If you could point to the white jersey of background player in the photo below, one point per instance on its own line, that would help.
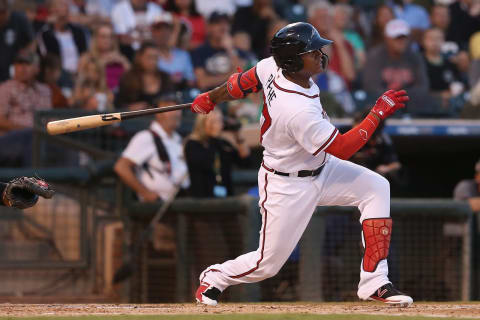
(304, 166)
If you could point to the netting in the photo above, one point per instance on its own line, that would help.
(63, 247)
(430, 258)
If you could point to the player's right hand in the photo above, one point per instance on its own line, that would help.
(202, 104)
(389, 102)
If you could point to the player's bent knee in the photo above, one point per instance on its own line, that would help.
(385, 185)
(379, 185)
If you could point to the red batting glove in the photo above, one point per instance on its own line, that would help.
(389, 102)
(202, 104)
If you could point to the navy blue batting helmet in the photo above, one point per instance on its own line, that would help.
(293, 40)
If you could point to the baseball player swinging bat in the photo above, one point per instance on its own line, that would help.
(99, 120)
(305, 165)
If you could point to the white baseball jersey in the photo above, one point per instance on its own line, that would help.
(295, 130)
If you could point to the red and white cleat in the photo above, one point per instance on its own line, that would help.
(391, 296)
(207, 294)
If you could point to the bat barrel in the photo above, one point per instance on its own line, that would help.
(82, 123)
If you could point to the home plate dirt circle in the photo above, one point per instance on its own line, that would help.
(447, 309)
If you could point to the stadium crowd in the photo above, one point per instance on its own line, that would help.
(107, 54)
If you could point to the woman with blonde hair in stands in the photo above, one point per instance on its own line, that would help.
(91, 91)
(104, 49)
(211, 151)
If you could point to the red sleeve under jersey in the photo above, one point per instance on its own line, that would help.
(345, 145)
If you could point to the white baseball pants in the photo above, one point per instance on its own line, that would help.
(287, 204)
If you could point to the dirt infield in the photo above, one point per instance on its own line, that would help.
(470, 310)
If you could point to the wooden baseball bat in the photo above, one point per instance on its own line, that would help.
(99, 120)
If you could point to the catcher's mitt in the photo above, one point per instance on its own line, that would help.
(23, 192)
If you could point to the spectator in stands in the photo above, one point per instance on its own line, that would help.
(64, 39)
(291, 10)
(210, 153)
(474, 48)
(471, 109)
(16, 33)
(443, 75)
(131, 21)
(469, 190)
(342, 60)
(153, 162)
(104, 49)
(186, 11)
(91, 91)
(440, 17)
(334, 92)
(20, 97)
(217, 58)
(50, 70)
(207, 7)
(415, 15)
(88, 12)
(342, 18)
(141, 86)
(254, 20)
(465, 21)
(383, 15)
(393, 65)
(174, 61)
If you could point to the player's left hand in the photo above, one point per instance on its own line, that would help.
(389, 102)
(202, 104)
(23, 192)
